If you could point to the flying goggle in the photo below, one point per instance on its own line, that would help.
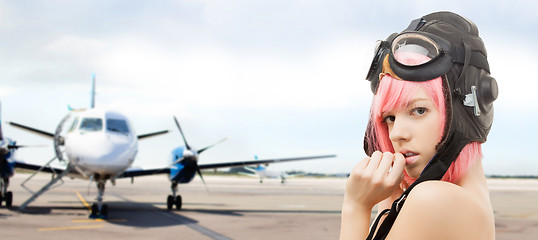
(418, 56)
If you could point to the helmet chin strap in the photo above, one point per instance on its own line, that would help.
(435, 170)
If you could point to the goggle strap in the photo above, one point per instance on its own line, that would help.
(415, 24)
(467, 55)
(478, 59)
(386, 69)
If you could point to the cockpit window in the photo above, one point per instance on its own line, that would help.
(91, 124)
(117, 125)
(74, 125)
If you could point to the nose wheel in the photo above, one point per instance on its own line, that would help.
(99, 212)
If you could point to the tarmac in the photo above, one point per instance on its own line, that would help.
(230, 208)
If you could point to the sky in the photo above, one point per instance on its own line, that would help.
(279, 78)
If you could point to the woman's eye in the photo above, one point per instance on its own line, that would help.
(419, 111)
(389, 119)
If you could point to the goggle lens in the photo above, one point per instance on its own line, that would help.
(413, 49)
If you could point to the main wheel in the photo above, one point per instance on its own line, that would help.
(104, 211)
(94, 211)
(178, 202)
(8, 199)
(170, 202)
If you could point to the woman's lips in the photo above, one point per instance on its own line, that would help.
(410, 158)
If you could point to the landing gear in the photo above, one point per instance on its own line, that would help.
(178, 202)
(8, 198)
(174, 199)
(170, 202)
(99, 210)
(5, 196)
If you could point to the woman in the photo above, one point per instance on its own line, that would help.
(432, 109)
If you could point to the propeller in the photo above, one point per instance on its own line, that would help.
(195, 162)
(59, 140)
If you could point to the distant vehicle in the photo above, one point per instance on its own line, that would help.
(262, 173)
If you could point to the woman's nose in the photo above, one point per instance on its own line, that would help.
(398, 131)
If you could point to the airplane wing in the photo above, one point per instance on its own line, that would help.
(40, 168)
(258, 162)
(136, 172)
(152, 134)
(33, 130)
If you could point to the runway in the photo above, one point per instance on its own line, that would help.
(234, 208)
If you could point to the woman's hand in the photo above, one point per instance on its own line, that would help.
(374, 179)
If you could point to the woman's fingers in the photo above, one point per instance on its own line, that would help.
(374, 162)
(396, 174)
(375, 178)
(386, 163)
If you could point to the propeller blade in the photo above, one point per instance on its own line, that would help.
(175, 162)
(24, 146)
(201, 177)
(182, 135)
(210, 146)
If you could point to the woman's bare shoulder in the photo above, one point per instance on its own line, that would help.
(442, 210)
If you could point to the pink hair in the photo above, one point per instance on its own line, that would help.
(395, 94)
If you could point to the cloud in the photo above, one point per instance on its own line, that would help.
(7, 91)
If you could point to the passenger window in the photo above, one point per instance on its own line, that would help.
(117, 125)
(91, 124)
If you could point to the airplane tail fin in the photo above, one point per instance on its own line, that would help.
(92, 101)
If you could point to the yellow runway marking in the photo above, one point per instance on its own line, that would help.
(86, 204)
(69, 228)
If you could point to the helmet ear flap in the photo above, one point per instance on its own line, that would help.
(487, 89)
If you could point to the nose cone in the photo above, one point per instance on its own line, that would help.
(100, 152)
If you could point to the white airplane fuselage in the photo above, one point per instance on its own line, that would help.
(101, 142)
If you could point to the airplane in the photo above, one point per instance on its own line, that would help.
(184, 166)
(262, 172)
(100, 145)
